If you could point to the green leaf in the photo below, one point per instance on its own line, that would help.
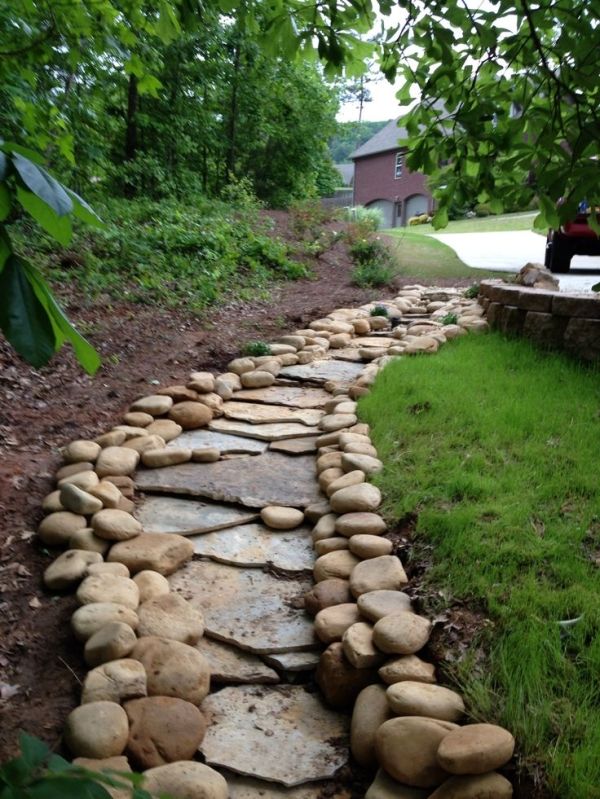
(23, 318)
(68, 787)
(63, 329)
(440, 218)
(5, 248)
(43, 185)
(5, 201)
(59, 227)
(83, 211)
(149, 85)
(168, 27)
(33, 751)
(3, 165)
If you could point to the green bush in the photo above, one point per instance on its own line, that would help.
(371, 274)
(256, 348)
(483, 209)
(449, 319)
(371, 219)
(379, 310)
(368, 250)
(472, 292)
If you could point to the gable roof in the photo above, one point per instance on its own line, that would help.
(383, 140)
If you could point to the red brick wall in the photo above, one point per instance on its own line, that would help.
(374, 180)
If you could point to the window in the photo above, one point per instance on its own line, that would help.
(398, 167)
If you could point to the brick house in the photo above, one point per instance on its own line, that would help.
(382, 179)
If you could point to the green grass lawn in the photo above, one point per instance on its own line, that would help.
(501, 466)
(521, 221)
(424, 257)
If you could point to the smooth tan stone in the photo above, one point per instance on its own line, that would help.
(108, 588)
(126, 505)
(384, 787)
(241, 365)
(326, 594)
(327, 439)
(115, 525)
(278, 517)
(347, 437)
(337, 421)
(170, 616)
(185, 780)
(73, 468)
(324, 528)
(51, 502)
(124, 483)
(384, 572)
(317, 510)
(335, 564)
(349, 479)
(173, 668)
(108, 494)
(407, 667)
(117, 461)
(88, 619)
(154, 404)
(113, 438)
(190, 415)
(371, 710)
(331, 460)
(153, 458)
(97, 730)
(360, 523)
(401, 633)
(257, 379)
(476, 749)
(484, 786)
(206, 455)
(407, 749)
(81, 450)
(142, 443)
(138, 419)
(167, 429)
(130, 431)
(57, 528)
(83, 480)
(358, 646)
(358, 498)
(369, 546)
(325, 545)
(408, 698)
(163, 729)
(366, 463)
(340, 682)
(328, 476)
(115, 681)
(212, 401)
(332, 622)
(108, 568)
(361, 449)
(113, 641)
(151, 584)
(202, 382)
(161, 552)
(78, 501)
(374, 605)
(69, 568)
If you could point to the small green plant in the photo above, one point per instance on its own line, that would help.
(372, 274)
(39, 774)
(449, 319)
(369, 218)
(379, 310)
(254, 349)
(472, 292)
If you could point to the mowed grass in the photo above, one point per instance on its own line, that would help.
(496, 446)
(421, 256)
(502, 222)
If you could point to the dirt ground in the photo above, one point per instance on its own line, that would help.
(40, 663)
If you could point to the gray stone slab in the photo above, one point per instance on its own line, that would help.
(322, 371)
(255, 545)
(255, 481)
(263, 432)
(347, 354)
(282, 734)
(249, 608)
(200, 439)
(295, 446)
(374, 341)
(291, 396)
(249, 788)
(294, 661)
(230, 665)
(259, 413)
(188, 516)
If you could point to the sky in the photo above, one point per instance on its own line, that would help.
(383, 106)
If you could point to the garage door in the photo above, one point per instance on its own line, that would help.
(415, 205)
(387, 209)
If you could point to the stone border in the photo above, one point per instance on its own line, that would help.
(399, 728)
(550, 319)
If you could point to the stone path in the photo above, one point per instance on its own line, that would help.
(197, 595)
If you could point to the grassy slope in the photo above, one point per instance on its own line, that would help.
(503, 222)
(503, 470)
(424, 257)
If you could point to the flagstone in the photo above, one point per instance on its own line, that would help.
(322, 371)
(295, 446)
(254, 481)
(291, 396)
(264, 432)
(374, 341)
(294, 661)
(256, 545)
(249, 608)
(228, 664)
(201, 439)
(188, 516)
(241, 787)
(259, 413)
(282, 734)
(346, 354)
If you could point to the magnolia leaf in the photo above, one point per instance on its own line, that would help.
(43, 185)
(59, 227)
(3, 165)
(83, 211)
(5, 201)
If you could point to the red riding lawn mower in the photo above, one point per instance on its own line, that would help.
(572, 238)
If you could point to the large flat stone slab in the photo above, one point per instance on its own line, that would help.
(374, 341)
(263, 432)
(291, 396)
(256, 481)
(295, 446)
(294, 661)
(200, 439)
(346, 354)
(321, 371)
(230, 665)
(188, 516)
(255, 545)
(249, 788)
(259, 413)
(249, 608)
(282, 734)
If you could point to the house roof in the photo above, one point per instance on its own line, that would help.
(383, 140)
(346, 172)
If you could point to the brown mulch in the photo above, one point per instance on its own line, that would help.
(40, 411)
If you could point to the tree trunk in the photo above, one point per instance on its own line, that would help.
(131, 132)
(233, 112)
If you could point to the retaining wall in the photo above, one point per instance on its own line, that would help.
(551, 319)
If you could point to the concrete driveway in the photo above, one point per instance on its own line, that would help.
(508, 251)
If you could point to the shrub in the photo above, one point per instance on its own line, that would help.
(472, 292)
(379, 310)
(483, 209)
(256, 348)
(449, 319)
(372, 274)
(370, 218)
(307, 218)
(367, 250)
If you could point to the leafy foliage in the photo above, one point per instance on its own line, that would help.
(256, 348)
(379, 310)
(349, 136)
